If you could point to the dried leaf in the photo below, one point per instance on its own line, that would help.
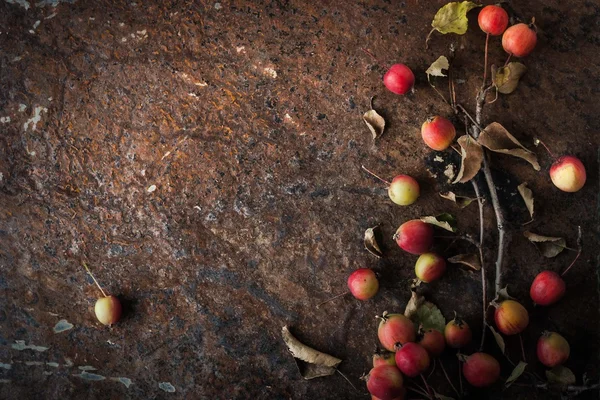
(452, 18)
(375, 122)
(441, 396)
(460, 201)
(371, 242)
(413, 304)
(516, 373)
(315, 363)
(507, 78)
(499, 339)
(445, 221)
(496, 138)
(470, 260)
(561, 375)
(472, 157)
(435, 69)
(527, 196)
(547, 245)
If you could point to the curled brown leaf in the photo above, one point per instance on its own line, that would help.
(507, 78)
(496, 138)
(472, 157)
(549, 246)
(374, 121)
(527, 196)
(371, 241)
(460, 201)
(470, 260)
(316, 363)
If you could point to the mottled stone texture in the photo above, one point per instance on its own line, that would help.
(245, 119)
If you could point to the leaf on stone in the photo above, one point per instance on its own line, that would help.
(496, 138)
(439, 396)
(547, 245)
(445, 221)
(499, 339)
(527, 196)
(472, 157)
(310, 362)
(374, 121)
(470, 260)
(413, 304)
(452, 18)
(371, 241)
(460, 201)
(561, 375)
(435, 69)
(516, 373)
(507, 78)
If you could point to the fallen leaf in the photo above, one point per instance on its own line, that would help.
(413, 304)
(470, 260)
(460, 201)
(472, 157)
(507, 78)
(374, 121)
(516, 373)
(435, 69)
(547, 245)
(496, 138)
(452, 18)
(429, 317)
(499, 339)
(315, 363)
(527, 196)
(371, 242)
(441, 396)
(503, 294)
(562, 375)
(445, 221)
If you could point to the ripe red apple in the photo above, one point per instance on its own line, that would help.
(493, 20)
(433, 341)
(384, 358)
(393, 329)
(438, 133)
(414, 236)
(108, 310)
(399, 79)
(552, 349)
(430, 267)
(385, 382)
(511, 317)
(481, 369)
(547, 288)
(363, 283)
(412, 359)
(457, 333)
(404, 190)
(519, 40)
(568, 174)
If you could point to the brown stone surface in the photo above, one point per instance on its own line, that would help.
(246, 118)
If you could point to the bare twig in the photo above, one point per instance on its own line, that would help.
(487, 39)
(579, 248)
(375, 175)
(94, 278)
(448, 378)
(522, 348)
(347, 380)
(483, 277)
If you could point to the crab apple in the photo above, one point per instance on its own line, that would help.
(383, 358)
(511, 317)
(430, 267)
(363, 283)
(481, 370)
(393, 329)
(385, 382)
(547, 288)
(568, 174)
(108, 310)
(404, 190)
(552, 349)
(414, 236)
(433, 341)
(519, 40)
(399, 79)
(438, 133)
(457, 333)
(493, 20)
(412, 359)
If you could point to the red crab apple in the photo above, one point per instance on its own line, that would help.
(412, 359)
(399, 79)
(457, 333)
(363, 283)
(493, 20)
(108, 310)
(568, 174)
(385, 382)
(519, 40)
(552, 349)
(414, 236)
(438, 133)
(394, 329)
(511, 317)
(383, 358)
(481, 370)
(430, 267)
(547, 288)
(433, 341)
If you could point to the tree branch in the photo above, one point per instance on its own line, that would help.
(483, 278)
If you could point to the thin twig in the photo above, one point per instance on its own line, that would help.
(448, 378)
(483, 277)
(579, 248)
(333, 298)
(426, 386)
(376, 176)
(94, 278)
(347, 380)
(487, 39)
(460, 375)
(418, 391)
(522, 348)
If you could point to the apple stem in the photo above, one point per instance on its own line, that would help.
(536, 140)
(485, 62)
(419, 391)
(376, 176)
(448, 378)
(375, 58)
(579, 248)
(460, 378)
(508, 59)
(427, 386)
(522, 348)
(347, 380)
(333, 298)
(94, 278)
